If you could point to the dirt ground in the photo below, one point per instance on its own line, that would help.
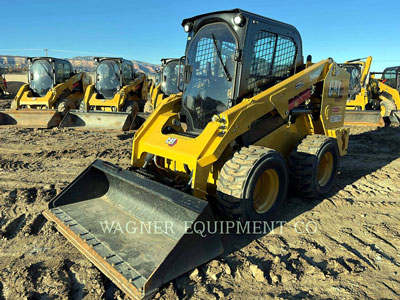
(351, 249)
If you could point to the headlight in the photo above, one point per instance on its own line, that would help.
(239, 20)
(187, 27)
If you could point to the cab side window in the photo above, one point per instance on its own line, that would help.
(273, 60)
(60, 72)
(67, 71)
(389, 76)
(354, 84)
(127, 73)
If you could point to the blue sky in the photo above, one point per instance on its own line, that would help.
(149, 30)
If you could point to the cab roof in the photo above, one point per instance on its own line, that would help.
(32, 59)
(117, 59)
(239, 11)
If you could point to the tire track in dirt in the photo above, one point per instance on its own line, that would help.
(13, 227)
(37, 224)
(353, 251)
(13, 166)
(333, 263)
(390, 288)
(378, 237)
(374, 249)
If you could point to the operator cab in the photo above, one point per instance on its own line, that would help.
(46, 72)
(112, 74)
(157, 77)
(231, 55)
(391, 77)
(171, 76)
(355, 79)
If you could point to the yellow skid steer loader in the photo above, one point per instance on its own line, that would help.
(387, 89)
(252, 120)
(371, 101)
(115, 99)
(53, 89)
(362, 108)
(166, 82)
(3, 84)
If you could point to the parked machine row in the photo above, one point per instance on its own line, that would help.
(56, 95)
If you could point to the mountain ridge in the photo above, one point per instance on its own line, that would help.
(80, 63)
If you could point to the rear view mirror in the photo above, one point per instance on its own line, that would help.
(187, 73)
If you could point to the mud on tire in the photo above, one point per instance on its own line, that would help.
(131, 107)
(253, 184)
(82, 105)
(64, 105)
(148, 107)
(13, 105)
(313, 166)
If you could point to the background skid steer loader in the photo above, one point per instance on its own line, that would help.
(53, 89)
(3, 84)
(251, 116)
(388, 90)
(370, 100)
(166, 82)
(115, 99)
(362, 108)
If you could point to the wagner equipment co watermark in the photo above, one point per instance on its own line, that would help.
(204, 228)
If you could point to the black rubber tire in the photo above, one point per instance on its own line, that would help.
(64, 105)
(148, 107)
(131, 107)
(13, 105)
(238, 178)
(82, 105)
(304, 162)
(389, 107)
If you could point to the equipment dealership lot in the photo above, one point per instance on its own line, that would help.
(339, 260)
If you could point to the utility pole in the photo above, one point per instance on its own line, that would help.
(45, 50)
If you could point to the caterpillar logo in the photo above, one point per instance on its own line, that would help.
(335, 89)
(171, 141)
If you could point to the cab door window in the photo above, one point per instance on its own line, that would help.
(354, 84)
(389, 77)
(67, 71)
(272, 61)
(127, 73)
(60, 72)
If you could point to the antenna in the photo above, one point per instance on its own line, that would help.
(45, 50)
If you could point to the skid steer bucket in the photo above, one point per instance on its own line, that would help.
(98, 120)
(393, 120)
(136, 231)
(363, 118)
(30, 118)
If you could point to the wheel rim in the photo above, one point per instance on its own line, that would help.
(266, 191)
(325, 168)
